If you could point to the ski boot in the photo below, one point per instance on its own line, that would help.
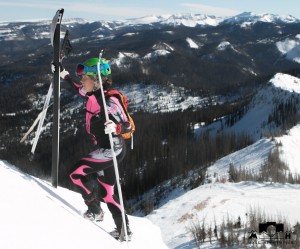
(94, 217)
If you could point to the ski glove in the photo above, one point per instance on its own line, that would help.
(64, 74)
(111, 127)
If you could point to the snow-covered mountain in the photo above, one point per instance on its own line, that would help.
(248, 18)
(256, 121)
(188, 20)
(33, 215)
(290, 48)
(15, 30)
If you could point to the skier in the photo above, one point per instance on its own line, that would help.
(95, 172)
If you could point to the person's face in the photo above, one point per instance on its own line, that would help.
(87, 83)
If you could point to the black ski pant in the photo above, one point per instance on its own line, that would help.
(95, 179)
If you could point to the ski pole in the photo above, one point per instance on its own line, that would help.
(112, 150)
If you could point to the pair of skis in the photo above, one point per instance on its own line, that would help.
(58, 55)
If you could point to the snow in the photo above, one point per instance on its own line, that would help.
(286, 82)
(223, 45)
(255, 121)
(250, 157)
(36, 215)
(154, 98)
(249, 18)
(289, 149)
(191, 43)
(156, 53)
(290, 48)
(119, 61)
(215, 202)
(131, 34)
(192, 20)
(162, 46)
(146, 20)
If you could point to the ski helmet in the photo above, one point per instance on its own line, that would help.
(89, 67)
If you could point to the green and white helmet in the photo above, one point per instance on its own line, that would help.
(90, 68)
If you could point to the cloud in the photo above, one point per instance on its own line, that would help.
(209, 10)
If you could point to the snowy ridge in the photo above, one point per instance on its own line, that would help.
(286, 82)
(216, 202)
(188, 20)
(35, 215)
(290, 48)
(250, 18)
(8, 30)
(192, 20)
(255, 121)
(224, 45)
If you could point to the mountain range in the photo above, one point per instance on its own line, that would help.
(207, 53)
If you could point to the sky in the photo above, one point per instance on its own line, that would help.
(125, 9)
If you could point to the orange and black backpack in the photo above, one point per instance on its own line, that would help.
(124, 102)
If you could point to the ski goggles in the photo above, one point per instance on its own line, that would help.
(86, 70)
(92, 70)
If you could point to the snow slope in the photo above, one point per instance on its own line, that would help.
(215, 201)
(289, 149)
(255, 121)
(290, 48)
(35, 215)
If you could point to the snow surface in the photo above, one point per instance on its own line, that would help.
(223, 45)
(249, 18)
(154, 98)
(35, 215)
(290, 48)
(214, 202)
(290, 148)
(255, 121)
(191, 43)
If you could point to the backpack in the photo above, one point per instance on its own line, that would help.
(124, 102)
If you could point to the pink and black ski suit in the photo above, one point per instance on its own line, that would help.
(94, 173)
